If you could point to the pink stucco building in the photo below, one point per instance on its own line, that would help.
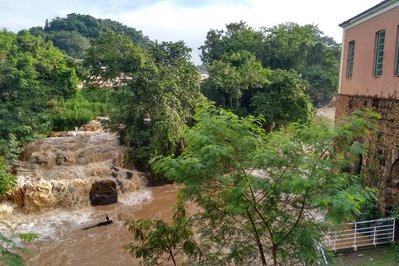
(369, 78)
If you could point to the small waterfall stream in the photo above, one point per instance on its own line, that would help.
(58, 172)
(55, 176)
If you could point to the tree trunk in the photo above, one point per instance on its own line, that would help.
(172, 257)
(274, 253)
(257, 238)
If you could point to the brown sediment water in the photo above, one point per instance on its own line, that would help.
(55, 176)
(102, 245)
(58, 172)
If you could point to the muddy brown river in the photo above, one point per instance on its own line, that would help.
(70, 245)
(55, 176)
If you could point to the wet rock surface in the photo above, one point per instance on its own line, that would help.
(58, 172)
(103, 192)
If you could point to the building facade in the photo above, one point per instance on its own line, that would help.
(369, 78)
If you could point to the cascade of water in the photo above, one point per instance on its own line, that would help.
(58, 172)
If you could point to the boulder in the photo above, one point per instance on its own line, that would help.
(103, 192)
(91, 126)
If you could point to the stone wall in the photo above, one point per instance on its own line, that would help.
(382, 162)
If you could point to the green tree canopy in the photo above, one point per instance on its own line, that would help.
(237, 37)
(288, 46)
(284, 100)
(73, 33)
(259, 195)
(233, 81)
(70, 42)
(32, 71)
(306, 50)
(91, 27)
(160, 91)
(240, 83)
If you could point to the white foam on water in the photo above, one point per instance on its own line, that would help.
(135, 198)
(6, 210)
(49, 225)
(105, 136)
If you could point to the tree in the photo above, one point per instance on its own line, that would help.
(260, 195)
(287, 46)
(113, 56)
(156, 241)
(70, 42)
(240, 83)
(306, 50)
(32, 71)
(238, 37)
(284, 100)
(160, 91)
(234, 81)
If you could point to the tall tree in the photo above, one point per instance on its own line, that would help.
(259, 195)
(32, 71)
(240, 83)
(237, 37)
(287, 46)
(306, 50)
(160, 92)
(233, 81)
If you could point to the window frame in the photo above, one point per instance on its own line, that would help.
(379, 53)
(350, 59)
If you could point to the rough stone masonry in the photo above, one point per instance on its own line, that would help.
(382, 162)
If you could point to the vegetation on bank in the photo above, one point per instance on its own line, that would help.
(304, 50)
(32, 72)
(260, 194)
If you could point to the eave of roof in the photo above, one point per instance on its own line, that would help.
(367, 13)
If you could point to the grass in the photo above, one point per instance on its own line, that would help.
(382, 256)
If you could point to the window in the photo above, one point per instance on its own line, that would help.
(351, 57)
(379, 53)
(397, 53)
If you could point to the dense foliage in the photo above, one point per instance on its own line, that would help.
(73, 33)
(32, 72)
(84, 107)
(159, 89)
(240, 83)
(158, 242)
(7, 181)
(288, 46)
(261, 192)
(263, 197)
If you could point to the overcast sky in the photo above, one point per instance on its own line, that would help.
(173, 20)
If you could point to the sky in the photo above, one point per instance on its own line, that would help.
(174, 20)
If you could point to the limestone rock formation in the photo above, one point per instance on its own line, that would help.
(58, 172)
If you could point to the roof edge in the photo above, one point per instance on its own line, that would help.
(367, 13)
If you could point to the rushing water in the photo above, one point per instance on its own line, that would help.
(65, 243)
(52, 199)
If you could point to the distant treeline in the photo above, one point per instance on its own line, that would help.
(73, 33)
